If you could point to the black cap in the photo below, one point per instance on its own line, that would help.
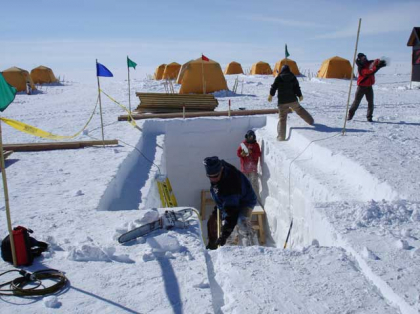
(249, 134)
(213, 165)
(285, 69)
(360, 54)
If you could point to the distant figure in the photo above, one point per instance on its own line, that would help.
(287, 87)
(28, 88)
(249, 153)
(234, 197)
(366, 79)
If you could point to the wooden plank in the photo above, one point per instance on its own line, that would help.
(199, 114)
(7, 153)
(26, 147)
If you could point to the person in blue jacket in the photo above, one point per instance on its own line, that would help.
(234, 197)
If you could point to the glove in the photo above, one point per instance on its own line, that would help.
(301, 98)
(221, 241)
(243, 154)
(270, 98)
(381, 64)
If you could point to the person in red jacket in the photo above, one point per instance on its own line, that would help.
(249, 153)
(366, 79)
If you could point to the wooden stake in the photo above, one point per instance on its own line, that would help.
(183, 111)
(351, 78)
(202, 73)
(129, 90)
(6, 199)
(229, 109)
(100, 106)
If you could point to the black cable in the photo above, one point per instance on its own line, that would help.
(17, 285)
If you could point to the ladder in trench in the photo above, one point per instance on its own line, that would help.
(167, 196)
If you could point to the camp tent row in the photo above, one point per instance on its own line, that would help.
(18, 77)
(199, 76)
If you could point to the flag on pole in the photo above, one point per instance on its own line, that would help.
(131, 63)
(286, 53)
(204, 58)
(7, 93)
(101, 70)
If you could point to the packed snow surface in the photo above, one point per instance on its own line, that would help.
(355, 242)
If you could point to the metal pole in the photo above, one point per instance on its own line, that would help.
(6, 200)
(100, 107)
(351, 78)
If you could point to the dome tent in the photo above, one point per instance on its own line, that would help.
(192, 77)
(159, 71)
(171, 71)
(18, 77)
(292, 65)
(43, 74)
(335, 67)
(262, 68)
(182, 71)
(234, 68)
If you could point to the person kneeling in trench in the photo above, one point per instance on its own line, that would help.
(235, 198)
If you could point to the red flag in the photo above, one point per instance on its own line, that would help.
(204, 58)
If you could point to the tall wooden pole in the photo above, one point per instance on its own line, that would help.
(100, 106)
(351, 79)
(6, 199)
(129, 90)
(202, 74)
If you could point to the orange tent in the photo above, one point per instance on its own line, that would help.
(196, 72)
(171, 71)
(42, 75)
(234, 68)
(18, 77)
(292, 65)
(261, 68)
(159, 71)
(335, 67)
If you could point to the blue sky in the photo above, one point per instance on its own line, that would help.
(72, 34)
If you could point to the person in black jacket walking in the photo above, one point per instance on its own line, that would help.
(287, 87)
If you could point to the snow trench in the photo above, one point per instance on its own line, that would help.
(177, 148)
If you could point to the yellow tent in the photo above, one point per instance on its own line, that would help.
(196, 71)
(182, 71)
(261, 68)
(292, 65)
(335, 67)
(159, 71)
(17, 78)
(234, 68)
(171, 71)
(42, 75)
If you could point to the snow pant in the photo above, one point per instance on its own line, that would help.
(253, 178)
(360, 92)
(243, 230)
(284, 110)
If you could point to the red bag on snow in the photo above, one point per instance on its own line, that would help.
(26, 247)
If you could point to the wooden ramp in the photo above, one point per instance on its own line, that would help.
(168, 103)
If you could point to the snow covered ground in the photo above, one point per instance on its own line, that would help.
(355, 242)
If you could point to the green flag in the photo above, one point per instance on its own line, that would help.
(7, 93)
(130, 63)
(286, 53)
